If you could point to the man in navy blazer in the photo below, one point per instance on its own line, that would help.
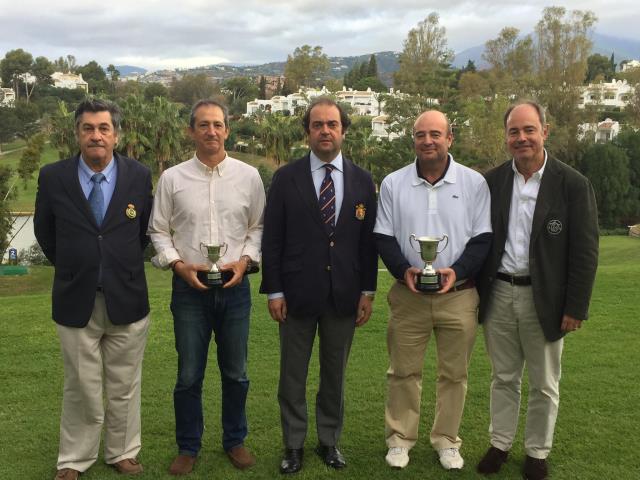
(319, 271)
(90, 219)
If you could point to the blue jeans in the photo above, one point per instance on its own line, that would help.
(225, 312)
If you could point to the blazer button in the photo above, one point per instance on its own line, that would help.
(99, 237)
(328, 268)
(331, 244)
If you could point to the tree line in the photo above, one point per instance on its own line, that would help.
(551, 66)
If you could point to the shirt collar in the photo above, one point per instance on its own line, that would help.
(87, 173)
(317, 164)
(449, 176)
(220, 167)
(536, 175)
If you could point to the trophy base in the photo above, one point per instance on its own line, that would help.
(211, 279)
(428, 283)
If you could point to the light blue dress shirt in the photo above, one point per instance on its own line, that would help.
(108, 184)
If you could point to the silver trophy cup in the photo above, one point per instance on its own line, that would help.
(212, 278)
(428, 280)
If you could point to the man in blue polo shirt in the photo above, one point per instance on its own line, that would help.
(432, 196)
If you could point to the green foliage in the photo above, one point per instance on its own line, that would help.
(154, 89)
(629, 140)
(363, 76)
(599, 68)
(7, 193)
(30, 158)
(424, 62)
(278, 133)
(166, 135)
(95, 76)
(306, 67)
(33, 256)
(266, 174)
(63, 137)
(607, 167)
(14, 64)
(238, 91)
(191, 88)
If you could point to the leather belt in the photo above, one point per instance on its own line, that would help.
(463, 286)
(520, 281)
(98, 289)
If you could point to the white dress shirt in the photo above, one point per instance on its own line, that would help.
(515, 260)
(197, 204)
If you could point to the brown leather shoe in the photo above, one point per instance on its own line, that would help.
(241, 458)
(128, 466)
(492, 461)
(535, 468)
(182, 465)
(67, 474)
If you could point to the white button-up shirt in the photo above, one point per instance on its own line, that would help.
(515, 259)
(197, 204)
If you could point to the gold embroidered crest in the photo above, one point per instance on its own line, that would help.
(360, 211)
(130, 212)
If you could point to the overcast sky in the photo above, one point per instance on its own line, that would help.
(188, 33)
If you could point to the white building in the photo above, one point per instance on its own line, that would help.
(363, 102)
(601, 132)
(380, 128)
(631, 64)
(7, 97)
(69, 80)
(616, 93)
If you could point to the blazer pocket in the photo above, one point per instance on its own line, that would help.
(289, 266)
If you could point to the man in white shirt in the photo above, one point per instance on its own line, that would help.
(212, 199)
(433, 196)
(535, 286)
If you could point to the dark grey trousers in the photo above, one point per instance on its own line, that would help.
(297, 336)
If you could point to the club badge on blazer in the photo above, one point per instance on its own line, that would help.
(130, 212)
(360, 211)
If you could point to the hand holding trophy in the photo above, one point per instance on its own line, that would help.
(428, 280)
(212, 278)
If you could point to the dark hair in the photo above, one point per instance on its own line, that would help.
(344, 118)
(98, 105)
(208, 103)
(539, 108)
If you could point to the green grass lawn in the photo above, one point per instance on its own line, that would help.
(596, 434)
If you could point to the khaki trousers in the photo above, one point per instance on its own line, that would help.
(452, 317)
(101, 353)
(513, 336)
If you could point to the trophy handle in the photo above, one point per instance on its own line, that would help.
(446, 238)
(203, 252)
(413, 238)
(223, 249)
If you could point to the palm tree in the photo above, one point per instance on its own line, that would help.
(278, 134)
(62, 135)
(167, 137)
(134, 134)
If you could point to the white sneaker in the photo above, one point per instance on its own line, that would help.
(397, 457)
(450, 459)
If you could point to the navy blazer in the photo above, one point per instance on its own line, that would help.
(298, 256)
(563, 248)
(73, 242)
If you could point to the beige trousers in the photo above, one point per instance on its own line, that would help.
(452, 317)
(513, 336)
(101, 353)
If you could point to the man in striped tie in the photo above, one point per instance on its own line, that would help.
(319, 271)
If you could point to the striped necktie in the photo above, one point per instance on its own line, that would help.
(327, 200)
(96, 198)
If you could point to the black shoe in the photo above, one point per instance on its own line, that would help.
(492, 461)
(331, 456)
(292, 460)
(535, 468)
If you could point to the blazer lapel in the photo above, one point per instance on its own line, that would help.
(349, 188)
(306, 189)
(71, 183)
(549, 184)
(118, 198)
